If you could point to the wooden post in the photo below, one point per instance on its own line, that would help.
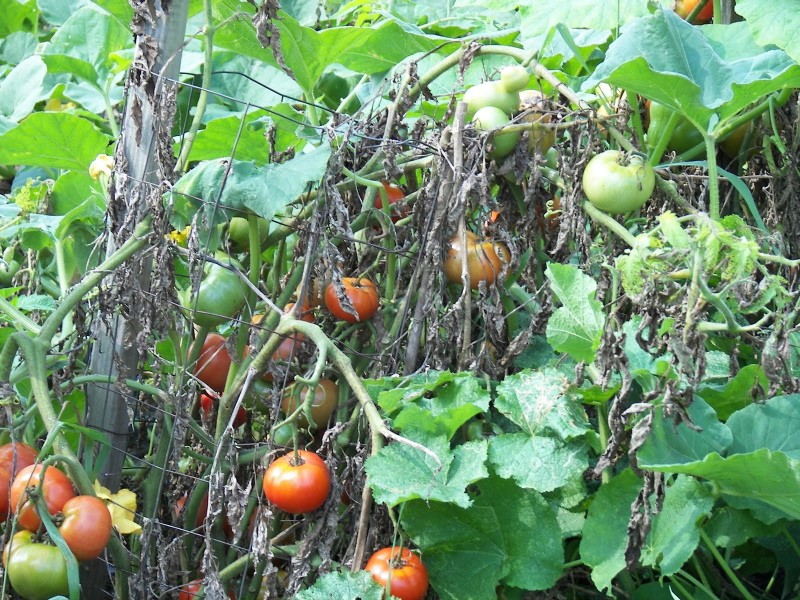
(143, 166)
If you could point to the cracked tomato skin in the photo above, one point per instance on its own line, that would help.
(297, 487)
(363, 295)
(485, 260)
(402, 570)
(14, 457)
(56, 488)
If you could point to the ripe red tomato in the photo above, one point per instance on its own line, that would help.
(14, 457)
(394, 194)
(213, 363)
(617, 182)
(685, 7)
(297, 487)
(86, 526)
(191, 591)
(485, 260)
(326, 399)
(208, 404)
(56, 488)
(37, 571)
(363, 295)
(400, 571)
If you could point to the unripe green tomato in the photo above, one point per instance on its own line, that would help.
(514, 78)
(239, 232)
(617, 182)
(489, 118)
(220, 296)
(490, 93)
(38, 572)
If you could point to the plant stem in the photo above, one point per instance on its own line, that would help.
(724, 565)
(608, 222)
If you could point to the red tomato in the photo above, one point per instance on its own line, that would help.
(213, 363)
(14, 457)
(685, 7)
(208, 404)
(191, 591)
(56, 488)
(400, 571)
(394, 194)
(297, 487)
(363, 295)
(326, 399)
(86, 526)
(485, 260)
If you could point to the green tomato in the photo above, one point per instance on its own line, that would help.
(489, 118)
(220, 296)
(38, 571)
(490, 93)
(684, 137)
(239, 232)
(617, 182)
(514, 78)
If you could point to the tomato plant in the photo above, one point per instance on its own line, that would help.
(192, 591)
(362, 294)
(214, 362)
(37, 571)
(14, 457)
(617, 182)
(297, 483)
(56, 490)
(684, 137)
(326, 399)
(394, 195)
(86, 526)
(221, 293)
(684, 8)
(485, 259)
(400, 571)
(208, 405)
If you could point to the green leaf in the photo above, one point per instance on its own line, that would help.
(399, 472)
(37, 302)
(773, 23)
(715, 70)
(575, 327)
(508, 536)
(538, 18)
(538, 462)
(737, 392)
(539, 403)
(605, 534)
(87, 42)
(265, 191)
(729, 527)
(774, 424)
(219, 138)
(675, 533)
(248, 80)
(445, 409)
(18, 15)
(52, 140)
(368, 50)
(343, 585)
(22, 88)
(669, 444)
